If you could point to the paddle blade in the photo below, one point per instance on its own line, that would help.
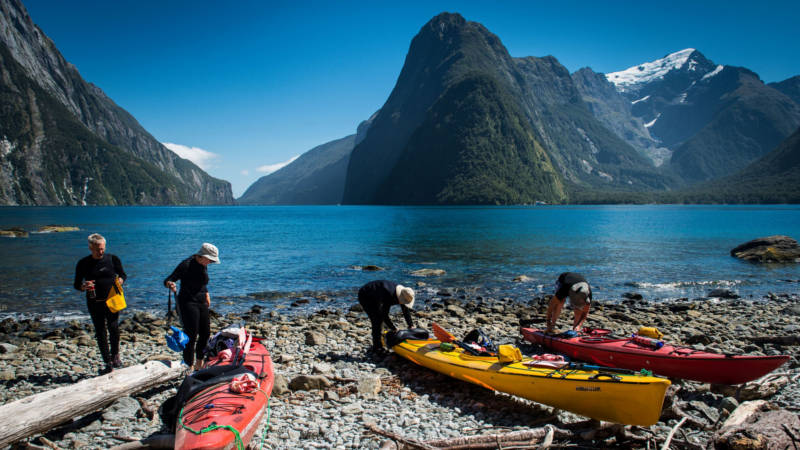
(442, 334)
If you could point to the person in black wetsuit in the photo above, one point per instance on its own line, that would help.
(95, 274)
(376, 297)
(194, 300)
(575, 287)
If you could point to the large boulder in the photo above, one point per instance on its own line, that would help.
(309, 383)
(769, 249)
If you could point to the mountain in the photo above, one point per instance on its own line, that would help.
(315, 178)
(615, 112)
(714, 119)
(47, 157)
(477, 148)
(72, 125)
(774, 178)
(748, 120)
(515, 117)
(789, 87)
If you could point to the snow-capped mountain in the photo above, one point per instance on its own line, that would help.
(713, 119)
(652, 86)
(689, 60)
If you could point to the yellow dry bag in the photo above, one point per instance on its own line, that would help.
(650, 332)
(508, 354)
(116, 298)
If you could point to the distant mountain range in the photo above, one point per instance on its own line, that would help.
(773, 178)
(713, 119)
(315, 178)
(64, 142)
(468, 123)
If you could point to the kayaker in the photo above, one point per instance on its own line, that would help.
(95, 274)
(194, 300)
(575, 287)
(377, 297)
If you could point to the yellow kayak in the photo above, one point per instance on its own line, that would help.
(632, 399)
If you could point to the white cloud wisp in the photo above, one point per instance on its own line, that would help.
(269, 168)
(203, 158)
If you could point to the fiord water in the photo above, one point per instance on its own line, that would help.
(273, 256)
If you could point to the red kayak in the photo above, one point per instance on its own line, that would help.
(638, 352)
(226, 415)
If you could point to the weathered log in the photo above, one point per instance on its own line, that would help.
(48, 443)
(744, 413)
(515, 437)
(41, 412)
(548, 437)
(753, 390)
(410, 443)
(693, 421)
(672, 433)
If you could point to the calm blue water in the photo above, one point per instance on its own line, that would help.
(660, 251)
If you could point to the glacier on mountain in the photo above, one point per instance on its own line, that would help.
(652, 122)
(713, 72)
(649, 71)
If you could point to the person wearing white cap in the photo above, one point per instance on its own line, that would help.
(194, 300)
(575, 287)
(377, 297)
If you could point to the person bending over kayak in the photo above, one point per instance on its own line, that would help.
(377, 297)
(573, 286)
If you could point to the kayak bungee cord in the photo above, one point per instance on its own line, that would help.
(198, 411)
(237, 438)
(201, 409)
(266, 427)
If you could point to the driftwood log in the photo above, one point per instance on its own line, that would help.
(525, 438)
(41, 412)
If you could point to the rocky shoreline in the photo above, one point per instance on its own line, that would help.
(327, 391)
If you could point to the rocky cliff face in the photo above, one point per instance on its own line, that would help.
(537, 95)
(40, 61)
(47, 157)
(615, 112)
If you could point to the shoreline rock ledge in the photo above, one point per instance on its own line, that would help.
(776, 248)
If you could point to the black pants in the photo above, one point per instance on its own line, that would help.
(103, 319)
(197, 326)
(376, 319)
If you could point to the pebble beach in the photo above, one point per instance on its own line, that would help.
(329, 394)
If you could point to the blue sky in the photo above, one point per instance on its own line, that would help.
(255, 83)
